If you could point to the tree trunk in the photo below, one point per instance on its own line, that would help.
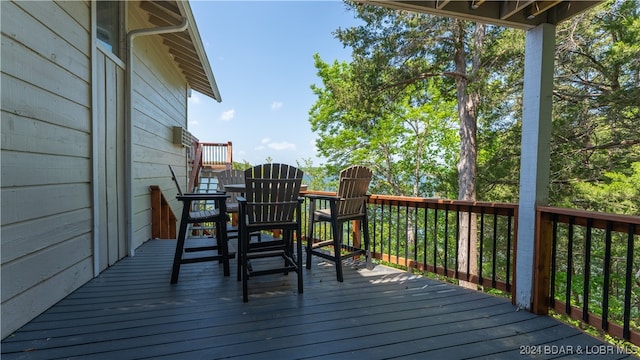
(467, 166)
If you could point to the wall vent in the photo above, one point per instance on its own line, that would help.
(182, 136)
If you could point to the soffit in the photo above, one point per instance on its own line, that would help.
(521, 14)
(185, 47)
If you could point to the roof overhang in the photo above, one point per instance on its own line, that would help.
(185, 47)
(521, 14)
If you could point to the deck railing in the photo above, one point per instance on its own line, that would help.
(589, 269)
(423, 234)
(217, 156)
(587, 264)
(590, 258)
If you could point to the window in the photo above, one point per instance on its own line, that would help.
(109, 24)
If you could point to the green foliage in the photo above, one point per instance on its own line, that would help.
(618, 193)
(244, 165)
(409, 145)
(395, 108)
(597, 102)
(315, 176)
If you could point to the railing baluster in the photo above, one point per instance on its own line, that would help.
(415, 235)
(495, 248)
(567, 304)
(435, 240)
(426, 222)
(554, 246)
(389, 232)
(587, 272)
(607, 274)
(469, 245)
(372, 224)
(457, 242)
(627, 286)
(481, 255)
(397, 231)
(382, 222)
(509, 249)
(446, 239)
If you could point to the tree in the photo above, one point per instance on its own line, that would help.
(399, 55)
(596, 100)
(619, 193)
(405, 141)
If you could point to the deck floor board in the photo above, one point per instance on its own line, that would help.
(131, 311)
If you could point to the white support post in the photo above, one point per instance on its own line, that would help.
(534, 161)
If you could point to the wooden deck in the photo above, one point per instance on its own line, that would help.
(132, 312)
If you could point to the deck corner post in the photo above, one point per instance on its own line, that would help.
(542, 273)
(535, 150)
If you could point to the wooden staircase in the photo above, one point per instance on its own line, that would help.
(205, 159)
(208, 157)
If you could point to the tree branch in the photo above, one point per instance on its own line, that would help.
(423, 76)
(623, 143)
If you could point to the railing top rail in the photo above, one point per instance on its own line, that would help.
(441, 204)
(215, 144)
(599, 219)
(475, 206)
(590, 214)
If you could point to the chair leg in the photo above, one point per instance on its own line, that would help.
(177, 258)
(299, 258)
(223, 245)
(287, 237)
(240, 255)
(310, 242)
(365, 232)
(243, 239)
(337, 248)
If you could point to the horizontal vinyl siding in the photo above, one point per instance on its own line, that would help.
(159, 103)
(46, 162)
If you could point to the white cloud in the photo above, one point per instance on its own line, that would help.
(194, 122)
(194, 99)
(265, 141)
(228, 115)
(282, 146)
(276, 105)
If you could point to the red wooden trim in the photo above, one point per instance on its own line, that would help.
(596, 321)
(163, 220)
(156, 211)
(542, 261)
(620, 222)
(438, 270)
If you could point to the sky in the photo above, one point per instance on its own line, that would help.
(261, 55)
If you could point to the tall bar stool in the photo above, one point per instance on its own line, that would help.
(350, 203)
(217, 215)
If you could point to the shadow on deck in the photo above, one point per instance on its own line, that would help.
(132, 312)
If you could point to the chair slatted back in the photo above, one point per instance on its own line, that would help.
(228, 177)
(352, 189)
(272, 192)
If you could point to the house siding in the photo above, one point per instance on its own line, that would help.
(159, 104)
(47, 167)
(46, 156)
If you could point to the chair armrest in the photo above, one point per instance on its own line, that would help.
(204, 196)
(321, 197)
